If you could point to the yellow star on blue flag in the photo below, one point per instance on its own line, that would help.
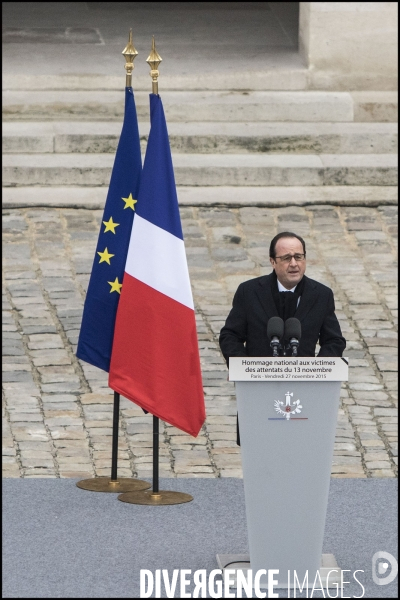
(115, 286)
(129, 202)
(105, 256)
(110, 225)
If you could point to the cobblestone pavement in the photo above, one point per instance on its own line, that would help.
(57, 411)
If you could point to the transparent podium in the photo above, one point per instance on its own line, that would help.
(287, 410)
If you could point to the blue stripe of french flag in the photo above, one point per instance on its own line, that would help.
(155, 358)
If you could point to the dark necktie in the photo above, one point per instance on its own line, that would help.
(288, 304)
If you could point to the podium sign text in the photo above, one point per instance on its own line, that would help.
(308, 368)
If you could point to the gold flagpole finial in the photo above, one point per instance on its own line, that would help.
(154, 60)
(130, 54)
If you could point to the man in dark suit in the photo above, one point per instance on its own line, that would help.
(285, 293)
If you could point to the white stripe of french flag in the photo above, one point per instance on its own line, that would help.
(155, 358)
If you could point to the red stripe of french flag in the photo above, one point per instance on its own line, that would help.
(155, 358)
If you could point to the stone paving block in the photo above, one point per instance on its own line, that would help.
(7, 451)
(44, 358)
(360, 410)
(373, 443)
(39, 471)
(29, 462)
(351, 470)
(389, 420)
(63, 453)
(68, 433)
(385, 412)
(188, 469)
(231, 473)
(64, 386)
(361, 421)
(389, 427)
(11, 471)
(103, 454)
(9, 460)
(29, 434)
(223, 444)
(344, 446)
(106, 446)
(382, 473)
(187, 439)
(346, 460)
(55, 408)
(370, 455)
(377, 464)
(65, 445)
(96, 399)
(27, 417)
(79, 475)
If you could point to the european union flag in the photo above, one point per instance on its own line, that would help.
(106, 280)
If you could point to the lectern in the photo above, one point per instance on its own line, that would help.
(287, 410)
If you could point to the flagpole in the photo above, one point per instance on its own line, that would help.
(156, 451)
(114, 450)
(113, 484)
(155, 497)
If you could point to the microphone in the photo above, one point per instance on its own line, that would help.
(275, 332)
(293, 334)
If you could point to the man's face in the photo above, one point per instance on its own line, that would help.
(290, 272)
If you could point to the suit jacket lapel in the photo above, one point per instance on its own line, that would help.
(307, 300)
(264, 294)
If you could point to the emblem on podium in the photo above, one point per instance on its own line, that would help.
(286, 408)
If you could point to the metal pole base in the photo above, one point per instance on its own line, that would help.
(106, 484)
(160, 498)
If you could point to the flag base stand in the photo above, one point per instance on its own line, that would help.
(160, 498)
(106, 484)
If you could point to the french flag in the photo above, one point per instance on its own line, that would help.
(155, 358)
